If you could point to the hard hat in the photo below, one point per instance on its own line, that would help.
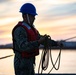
(28, 8)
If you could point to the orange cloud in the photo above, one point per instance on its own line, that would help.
(55, 23)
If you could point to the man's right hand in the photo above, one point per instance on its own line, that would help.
(42, 39)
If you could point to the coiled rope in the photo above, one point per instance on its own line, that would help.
(46, 54)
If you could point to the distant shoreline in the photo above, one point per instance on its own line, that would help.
(66, 45)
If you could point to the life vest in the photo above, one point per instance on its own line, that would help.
(32, 35)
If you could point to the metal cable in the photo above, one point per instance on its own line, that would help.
(6, 56)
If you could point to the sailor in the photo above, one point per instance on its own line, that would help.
(26, 41)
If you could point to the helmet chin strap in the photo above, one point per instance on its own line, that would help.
(28, 18)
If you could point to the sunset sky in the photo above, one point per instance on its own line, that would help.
(55, 17)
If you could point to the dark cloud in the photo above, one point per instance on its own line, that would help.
(1, 1)
(9, 8)
(62, 10)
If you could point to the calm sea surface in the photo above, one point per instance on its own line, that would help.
(67, 62)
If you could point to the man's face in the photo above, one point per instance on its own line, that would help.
(31, 19)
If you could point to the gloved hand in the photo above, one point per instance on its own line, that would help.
(43, 38)
(60, 44)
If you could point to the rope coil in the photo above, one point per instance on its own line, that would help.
(44, 62)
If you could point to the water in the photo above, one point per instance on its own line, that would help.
(67, 63)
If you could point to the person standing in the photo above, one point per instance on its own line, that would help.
(26, 41)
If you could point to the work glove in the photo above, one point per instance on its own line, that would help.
(43, 39)
(60, 44)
